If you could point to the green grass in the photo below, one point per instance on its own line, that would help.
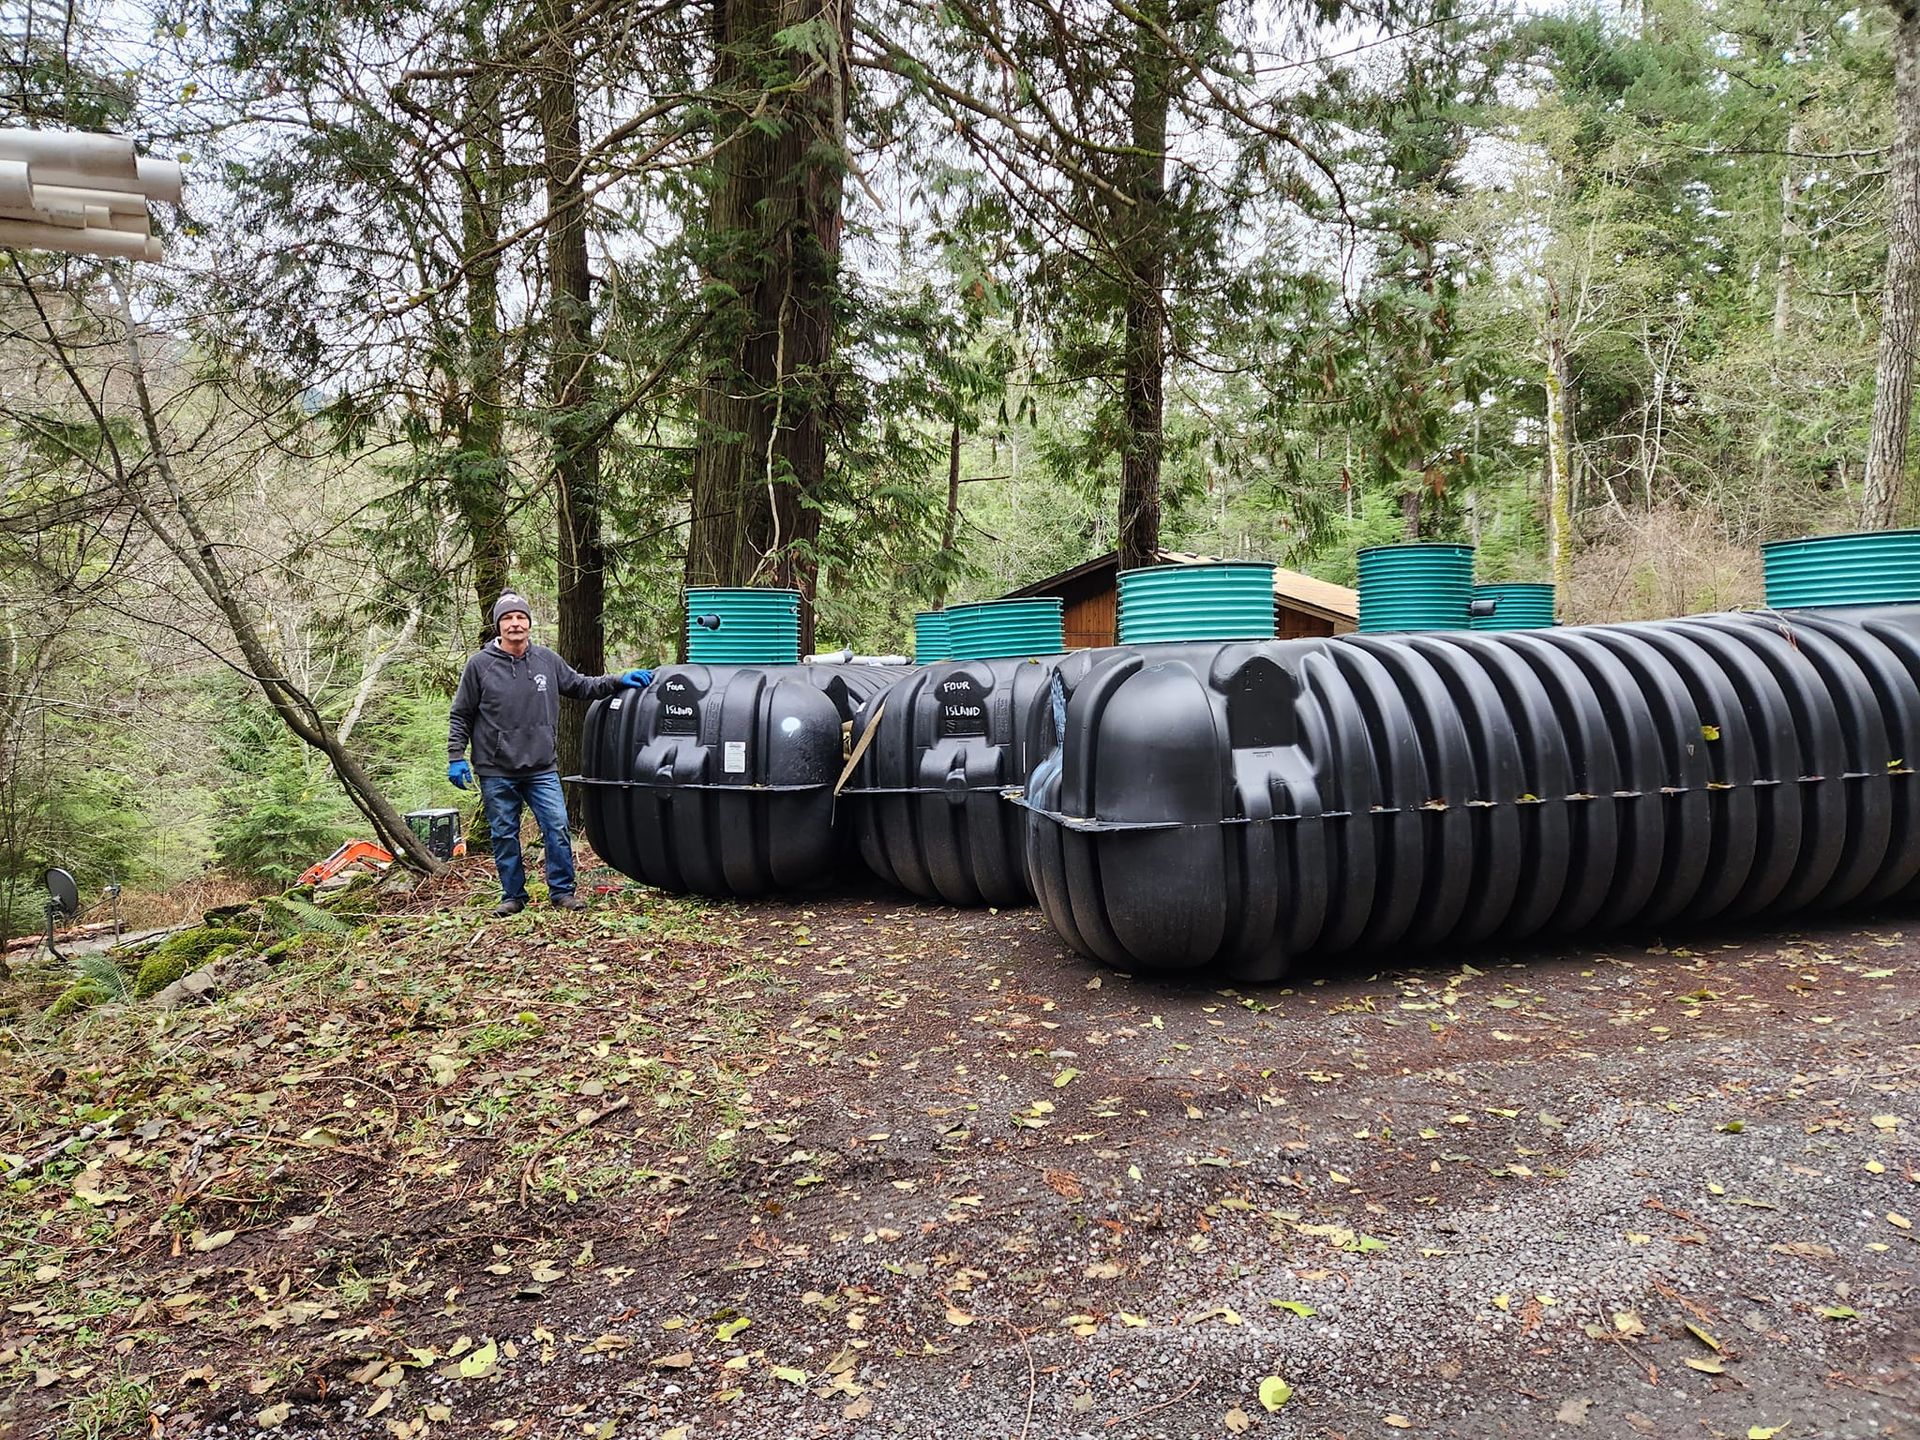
(491, 1038)
(116, 1406)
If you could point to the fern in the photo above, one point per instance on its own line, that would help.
(291, 916)
(102, 973)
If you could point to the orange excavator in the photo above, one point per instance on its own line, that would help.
(440, 829)
(354, 852)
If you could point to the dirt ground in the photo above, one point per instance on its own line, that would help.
(863, 1167)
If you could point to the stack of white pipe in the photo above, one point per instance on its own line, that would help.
(81, 194)
(847, 657)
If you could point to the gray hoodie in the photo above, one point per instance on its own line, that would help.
(509, 708)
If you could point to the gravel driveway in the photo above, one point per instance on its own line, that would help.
(958, 1183)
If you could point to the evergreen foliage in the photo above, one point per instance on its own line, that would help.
(275, 814)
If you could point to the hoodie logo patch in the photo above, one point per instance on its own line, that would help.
(540, 683)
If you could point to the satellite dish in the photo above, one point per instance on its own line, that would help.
(64, 891)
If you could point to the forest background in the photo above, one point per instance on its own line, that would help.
(899, 303)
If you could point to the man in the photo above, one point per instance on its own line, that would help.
(508, 708)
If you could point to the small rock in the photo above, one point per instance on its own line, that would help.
(210, 982)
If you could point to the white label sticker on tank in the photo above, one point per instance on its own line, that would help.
(735, 761)
(616, 702)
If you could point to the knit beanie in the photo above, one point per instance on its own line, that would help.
(507, 604)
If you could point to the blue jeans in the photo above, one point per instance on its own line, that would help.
(541, 794)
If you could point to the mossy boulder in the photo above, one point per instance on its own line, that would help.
(82, 995)
(280, 949)
(186, 951)
(157, 973)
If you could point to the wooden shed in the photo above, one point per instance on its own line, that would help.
(1302, 605)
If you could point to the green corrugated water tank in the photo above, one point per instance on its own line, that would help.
(932, 637)
(1517, 606)
(1004, 629)
(743, 627)
(1164, 604)
(1415, 587)
(1870, 567)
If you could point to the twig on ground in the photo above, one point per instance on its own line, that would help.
(207, 1140)
(1122, 1419)
(526, 1171)
(1033, 1377)
(1653, 1370)
(35, 1163)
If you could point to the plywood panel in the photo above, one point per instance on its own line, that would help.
(1297, 625)
(1090, 619)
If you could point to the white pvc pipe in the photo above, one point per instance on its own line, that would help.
(121, 202)
(159, 179)
(66, 159)
(16, 185)
(81, 194)
(94, 157)
(114, 244)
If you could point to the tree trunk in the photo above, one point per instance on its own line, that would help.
(774, 231)
(480, 473)
(1900, 292)
(1144, 266)
(950, 527)
(1783, 263)
(1783, 273)
(581, 633)
(376, 662)
(1559, 458)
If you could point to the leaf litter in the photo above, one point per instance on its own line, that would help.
(384, 1164)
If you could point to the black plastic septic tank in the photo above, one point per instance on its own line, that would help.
(718, 779)
(1234, 806)
(926, 803)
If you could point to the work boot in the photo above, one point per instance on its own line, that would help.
(508, 907)
(569, 901)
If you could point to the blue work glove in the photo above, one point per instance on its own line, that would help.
(460, 773)
(637, 679)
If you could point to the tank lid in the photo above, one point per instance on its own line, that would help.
(1415, 587)
(1218, 600)
(932, 636)
(1513, 605)
(1868, 567)
(1004, 629)
(742, 626)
